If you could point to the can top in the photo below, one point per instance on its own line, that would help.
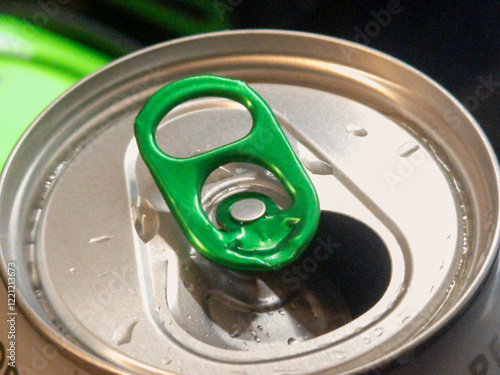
(407, 185)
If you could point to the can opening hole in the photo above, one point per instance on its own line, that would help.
(342, 274)
(202, 125)
(347, 256)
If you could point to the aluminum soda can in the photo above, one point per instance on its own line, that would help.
(401, 278)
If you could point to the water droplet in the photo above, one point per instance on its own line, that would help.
(311, 162)
(236, 331)
(270, 313)
(378, 331)
(259, 328)
(408, 149)
(257, 339)
(281, 312)
(100, 239)
(189, 316)
(377, 317)
(367, 340)
(72, 270)
(166, 361)
(146, 221)
(339, 355)
(123, 334)
(157, 308)
(356, 130)
(291, 341)
(317, 166)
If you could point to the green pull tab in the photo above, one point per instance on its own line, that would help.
(272, 238)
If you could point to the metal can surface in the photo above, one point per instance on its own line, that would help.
(400, 279)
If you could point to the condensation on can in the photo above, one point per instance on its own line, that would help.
(401, 277)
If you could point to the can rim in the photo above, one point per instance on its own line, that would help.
(74, 351)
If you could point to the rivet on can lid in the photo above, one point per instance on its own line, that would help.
(248, 209)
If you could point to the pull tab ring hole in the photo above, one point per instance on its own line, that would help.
(233, 178)
(201, 125)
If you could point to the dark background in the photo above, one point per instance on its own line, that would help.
(454, 42)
